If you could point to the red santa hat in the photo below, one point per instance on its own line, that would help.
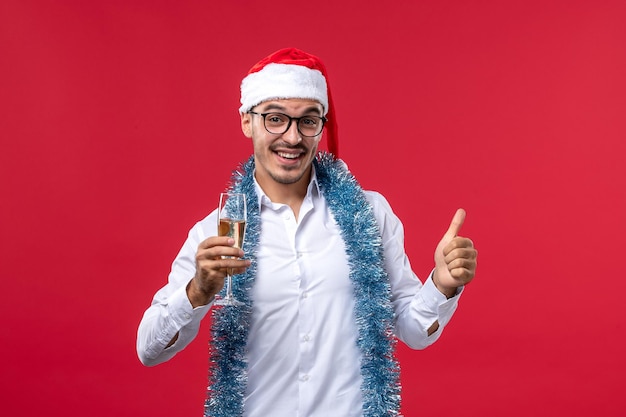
(291, 73)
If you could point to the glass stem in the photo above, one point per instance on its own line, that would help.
(229, 286)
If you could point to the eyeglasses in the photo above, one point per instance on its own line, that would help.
(279, 123)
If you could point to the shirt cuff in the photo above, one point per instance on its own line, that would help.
(437, 302)
(181, 311)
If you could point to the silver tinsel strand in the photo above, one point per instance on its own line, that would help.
(373, 310)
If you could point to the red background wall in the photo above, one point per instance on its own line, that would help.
(114, 117)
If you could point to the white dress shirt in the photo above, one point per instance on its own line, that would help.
(302, 354)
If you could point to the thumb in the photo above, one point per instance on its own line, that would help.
(455, 225)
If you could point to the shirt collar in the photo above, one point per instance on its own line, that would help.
(313, 189)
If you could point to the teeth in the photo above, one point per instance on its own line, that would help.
(288, 155)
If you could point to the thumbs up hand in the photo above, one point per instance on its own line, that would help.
(455, 258)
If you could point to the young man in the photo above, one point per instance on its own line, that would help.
(324, 278)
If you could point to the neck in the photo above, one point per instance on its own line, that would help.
(290, 194)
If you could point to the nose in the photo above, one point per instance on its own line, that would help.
(292, 135)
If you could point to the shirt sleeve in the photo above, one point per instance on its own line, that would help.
(170, 312)
(417, 305)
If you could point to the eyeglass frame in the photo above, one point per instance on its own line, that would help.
(291, 119)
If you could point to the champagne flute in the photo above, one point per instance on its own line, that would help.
(231, 222)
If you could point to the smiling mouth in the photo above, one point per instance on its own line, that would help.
(288, 155)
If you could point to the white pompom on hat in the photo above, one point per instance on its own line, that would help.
(291, 73)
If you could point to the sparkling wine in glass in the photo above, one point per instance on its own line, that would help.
(231, 222)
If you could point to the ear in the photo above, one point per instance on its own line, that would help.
(246, 124)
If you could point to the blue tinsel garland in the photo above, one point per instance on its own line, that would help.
(373, 310)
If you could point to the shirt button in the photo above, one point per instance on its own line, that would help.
(306, 338)
(304, 378)
(305, 294)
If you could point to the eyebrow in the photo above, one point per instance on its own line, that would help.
(274, 106)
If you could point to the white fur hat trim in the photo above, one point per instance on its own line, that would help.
(280, 81)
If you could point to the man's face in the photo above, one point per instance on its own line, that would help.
(282, 159)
